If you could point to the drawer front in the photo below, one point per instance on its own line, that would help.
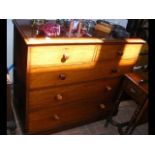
(135, 92)
(113, 52)
(100, 89)
(56, 76)
(60, 55)
(57, 117)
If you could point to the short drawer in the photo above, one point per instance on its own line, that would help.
(113, 52)
(104, 89)
(135, 92)
(64, 116)
(56, 76)
(60, 55)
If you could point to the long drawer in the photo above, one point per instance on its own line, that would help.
(66, 115)
(104, 89)
(113, 52)
(56, 76)
(60, 55)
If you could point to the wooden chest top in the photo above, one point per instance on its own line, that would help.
(25, 29)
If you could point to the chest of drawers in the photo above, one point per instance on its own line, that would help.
(64, 82)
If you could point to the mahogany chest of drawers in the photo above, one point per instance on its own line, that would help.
(64, 82)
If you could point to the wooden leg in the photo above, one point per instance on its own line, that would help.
(136, 117)
(114, 111)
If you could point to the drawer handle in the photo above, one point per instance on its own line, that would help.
(132, 91)
(56, 117)
(114, 70)
(62, 76)
(108, 88)
(59, 97)
(102, 106)
(120, 52)
(64, 57)
(143, 81)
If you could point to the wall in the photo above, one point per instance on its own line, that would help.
(122, 22)
(10, 36)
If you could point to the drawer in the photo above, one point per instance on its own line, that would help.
(60, 55)
(104, 89)
(113, 52)
(135, 92)
(66, 115)
(56, 76)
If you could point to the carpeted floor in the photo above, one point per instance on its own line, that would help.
(126, 110)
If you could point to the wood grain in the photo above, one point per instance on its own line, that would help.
(95, 89)
(49, 76)
(53, 55)
(44, 119)
(135, 78)
(20, 77)
(125, 51)
(60, 82)
(134, 91)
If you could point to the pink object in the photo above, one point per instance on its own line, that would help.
(51, 29)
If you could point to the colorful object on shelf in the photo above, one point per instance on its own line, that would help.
(51, 29)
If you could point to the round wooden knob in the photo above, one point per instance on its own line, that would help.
(62, 76)
(56, 117)
(120, 52)
(102, 106)
(108, 88)
(64, 57)
(114, 70)
(142, 81)
(59, 97)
